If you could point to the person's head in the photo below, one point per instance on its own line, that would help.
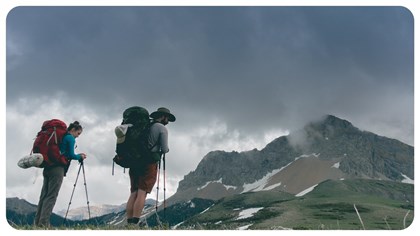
(163, 115)
(75, 129)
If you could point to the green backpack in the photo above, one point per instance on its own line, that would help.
(132, 138)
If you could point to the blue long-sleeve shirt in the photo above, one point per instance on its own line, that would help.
(67, 147)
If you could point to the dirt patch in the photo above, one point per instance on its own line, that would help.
(304, 173)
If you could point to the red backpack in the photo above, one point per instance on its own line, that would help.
(48, 141)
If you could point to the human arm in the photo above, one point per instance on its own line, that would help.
(158, 138)
(163, 140)
(69, 143)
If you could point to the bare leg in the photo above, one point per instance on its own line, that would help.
(130, 205)
(139, 203)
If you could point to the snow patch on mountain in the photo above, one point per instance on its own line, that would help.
(206, 209)
(192, 204)
(248, 213)
(272, 186)
(307, 155)
(407, 179)
(245, 227)
(117, 220)
(306, 191)
(218, 181)
(260, 185)
(177, 225)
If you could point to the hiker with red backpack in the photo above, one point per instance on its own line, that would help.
(56, 144)
(140, 145)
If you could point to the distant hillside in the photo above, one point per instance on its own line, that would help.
(82, 213)
(21, 212)
(180, 212)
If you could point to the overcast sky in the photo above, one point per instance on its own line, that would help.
(234, 77)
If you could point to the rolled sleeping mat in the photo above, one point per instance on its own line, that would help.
(34, 159)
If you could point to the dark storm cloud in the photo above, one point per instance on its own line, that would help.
(254, 68)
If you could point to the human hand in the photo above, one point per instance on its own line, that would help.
(82, 157)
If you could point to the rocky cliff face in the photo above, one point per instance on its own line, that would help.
(364, 154)
(330, 142)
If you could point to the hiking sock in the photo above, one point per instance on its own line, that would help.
(135, 220)
(131, 221)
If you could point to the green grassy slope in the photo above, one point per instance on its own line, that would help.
(331, 205)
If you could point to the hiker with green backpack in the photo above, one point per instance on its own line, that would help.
(140, 145)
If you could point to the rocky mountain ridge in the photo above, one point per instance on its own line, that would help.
(331, 148)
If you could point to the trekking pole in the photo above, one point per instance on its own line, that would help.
(84, 177)
(113, 168)
(157, 188)
(72, 193)
(164, 187)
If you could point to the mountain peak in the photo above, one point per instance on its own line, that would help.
(335, 121)
(330, 120)
(329, 126)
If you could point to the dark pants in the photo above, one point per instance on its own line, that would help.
(53, 178)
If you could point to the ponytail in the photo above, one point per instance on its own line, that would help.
(75, 125)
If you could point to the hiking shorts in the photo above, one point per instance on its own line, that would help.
(143, 178)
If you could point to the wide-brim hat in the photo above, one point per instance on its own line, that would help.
(163, 111)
